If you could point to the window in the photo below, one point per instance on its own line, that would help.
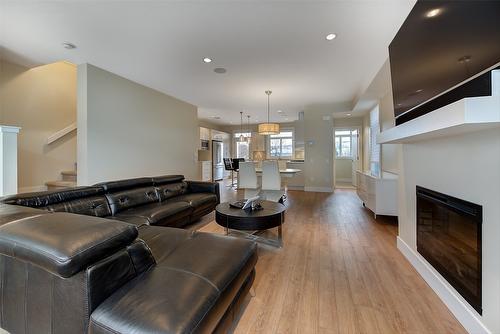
(242, 147)
(374, 147)
(281, 145)
(242, 150)
(343, 144)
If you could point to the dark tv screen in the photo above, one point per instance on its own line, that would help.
(440, 45)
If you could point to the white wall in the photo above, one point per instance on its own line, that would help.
(318, 136)
(42, 101)
(343, 170)
(467, 167)
(129, 130)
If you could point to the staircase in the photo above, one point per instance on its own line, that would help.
(68, 181)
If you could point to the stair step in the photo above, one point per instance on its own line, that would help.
(55, 185)
(69, 175)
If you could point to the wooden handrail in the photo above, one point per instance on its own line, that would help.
(61, 133)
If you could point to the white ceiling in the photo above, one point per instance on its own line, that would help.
(277, 45)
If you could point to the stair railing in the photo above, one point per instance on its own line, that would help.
(61, 133)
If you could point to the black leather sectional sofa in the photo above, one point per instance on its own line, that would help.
(164, 200)
(65, 267)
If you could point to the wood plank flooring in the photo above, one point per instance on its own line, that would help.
(338, 272)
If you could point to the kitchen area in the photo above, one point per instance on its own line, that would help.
(215, 145)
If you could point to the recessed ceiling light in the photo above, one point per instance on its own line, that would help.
(348, 114)
(330, 37)
(215, 117)
(433, 12)
(68, 45)
(207, 60)
(220, 70)
(279, 111)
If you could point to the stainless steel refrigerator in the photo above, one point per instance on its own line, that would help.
(217, 160)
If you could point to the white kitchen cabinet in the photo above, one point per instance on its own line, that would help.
(205, 170)
(297, 181)
(379, 194)
(204, 133)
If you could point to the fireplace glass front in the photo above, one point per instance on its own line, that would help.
(449, 238)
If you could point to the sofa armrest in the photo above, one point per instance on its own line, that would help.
(64, 243)
(204, 187)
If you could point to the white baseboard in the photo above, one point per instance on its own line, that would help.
(319, 189)
(31, 189)
(460, 309)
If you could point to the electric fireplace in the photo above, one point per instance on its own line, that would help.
(449, 238)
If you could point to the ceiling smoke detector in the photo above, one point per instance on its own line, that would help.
(220, 70)
(68, 45)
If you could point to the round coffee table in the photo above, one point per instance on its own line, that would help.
(271, 215)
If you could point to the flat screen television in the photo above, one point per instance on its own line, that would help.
(442, 53)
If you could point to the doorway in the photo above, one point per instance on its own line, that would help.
(347, 158)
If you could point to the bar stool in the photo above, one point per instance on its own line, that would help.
(228, 165)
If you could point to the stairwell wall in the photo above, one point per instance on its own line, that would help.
(42, 101)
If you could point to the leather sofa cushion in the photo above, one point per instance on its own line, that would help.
(197, 200)
(161, 301)
(170, 190)
(9, 213)
(90, 206)
(120, 185)
(163, 240)
(156, 213)
(164, 179)
(227, 255)
(126, 199)
(64, 243)
(183, 291)
(44, 198)
(134, 220)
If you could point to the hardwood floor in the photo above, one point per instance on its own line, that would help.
(338, 272)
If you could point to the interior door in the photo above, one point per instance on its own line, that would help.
(355, 154)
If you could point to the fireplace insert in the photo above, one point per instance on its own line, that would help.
(449, 238)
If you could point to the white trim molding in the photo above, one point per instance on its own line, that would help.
(9, 128)
(455, 303)
(466, 115)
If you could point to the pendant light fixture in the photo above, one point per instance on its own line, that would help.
(242, 138)
(269, 128)
(248, 128)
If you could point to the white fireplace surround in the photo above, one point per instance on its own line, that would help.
(455, 150)
(467, 115)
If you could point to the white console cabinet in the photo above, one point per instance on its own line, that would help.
(379, 194)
